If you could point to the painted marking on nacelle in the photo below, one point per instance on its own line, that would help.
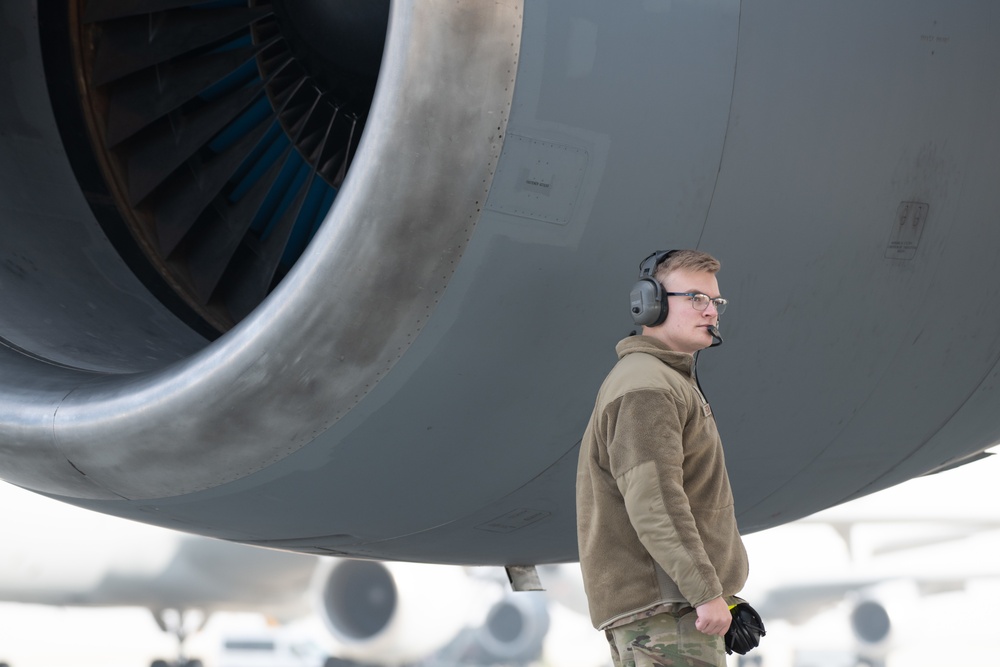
(538, 179)
(513, 520)
(906, 230)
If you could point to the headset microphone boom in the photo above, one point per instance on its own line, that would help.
(716, 336)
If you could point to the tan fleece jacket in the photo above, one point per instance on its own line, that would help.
(655, 516)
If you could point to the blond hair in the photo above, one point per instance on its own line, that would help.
(690, 260)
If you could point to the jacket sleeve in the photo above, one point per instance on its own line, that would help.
(646, 456)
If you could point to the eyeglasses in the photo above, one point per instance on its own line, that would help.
(700, 301)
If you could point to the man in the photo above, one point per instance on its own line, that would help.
(659, 546)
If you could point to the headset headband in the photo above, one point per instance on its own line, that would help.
(647, 269)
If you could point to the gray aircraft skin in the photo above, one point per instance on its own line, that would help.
(415, 384)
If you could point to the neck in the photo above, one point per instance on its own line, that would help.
(657, 333)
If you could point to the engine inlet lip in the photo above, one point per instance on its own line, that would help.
(328, 333)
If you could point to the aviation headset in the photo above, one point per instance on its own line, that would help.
(649, 303)
(746, 629)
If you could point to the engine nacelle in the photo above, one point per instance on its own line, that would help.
(870, 622)
(393, 613)
(514, 630)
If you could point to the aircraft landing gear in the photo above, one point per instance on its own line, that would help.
(181, 624)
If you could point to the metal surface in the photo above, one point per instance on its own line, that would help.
(124, 50)
(208, 142)
(359, 296)
(416, 386)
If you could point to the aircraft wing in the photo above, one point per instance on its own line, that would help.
(53, 554)
(345, 280)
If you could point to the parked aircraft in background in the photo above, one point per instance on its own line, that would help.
(851, 584)
(886, 580)
(372, 613)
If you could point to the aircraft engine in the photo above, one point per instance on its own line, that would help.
(343, 277)
(393, 613)
(513, 632)
(870, 622)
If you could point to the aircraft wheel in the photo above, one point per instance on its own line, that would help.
(337, 662)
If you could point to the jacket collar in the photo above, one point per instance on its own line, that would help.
(679, 361)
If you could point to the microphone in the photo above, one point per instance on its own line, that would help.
(716, 336)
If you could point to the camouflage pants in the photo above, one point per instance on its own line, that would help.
(665, 640)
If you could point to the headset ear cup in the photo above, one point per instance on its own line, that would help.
(649, 303)
(661, 311)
